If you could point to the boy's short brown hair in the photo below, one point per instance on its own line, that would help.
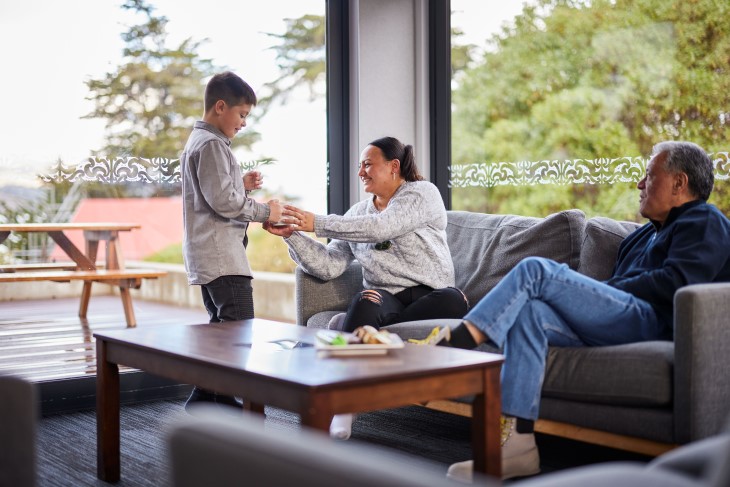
(230, 88)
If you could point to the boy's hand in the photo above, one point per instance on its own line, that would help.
(275, 211)
(286, 223)
(252, 180)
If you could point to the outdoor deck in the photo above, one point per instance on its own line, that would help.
(45, 340)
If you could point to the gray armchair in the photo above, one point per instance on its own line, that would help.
(18, 420)
(223, 450)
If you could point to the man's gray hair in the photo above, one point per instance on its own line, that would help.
(691, 159)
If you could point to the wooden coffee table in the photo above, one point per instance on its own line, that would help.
(270, 363)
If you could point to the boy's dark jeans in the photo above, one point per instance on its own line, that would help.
(228, 298)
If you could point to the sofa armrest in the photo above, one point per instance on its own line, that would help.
(701, 360)
(314, 295)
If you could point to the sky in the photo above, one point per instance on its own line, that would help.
(48, 54)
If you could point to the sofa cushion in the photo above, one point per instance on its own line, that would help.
(321, 319)
(314, 295)
(656, 424)
(601, 240)
(596, 375)
(420, 329)
(635, 374)
(485, 247)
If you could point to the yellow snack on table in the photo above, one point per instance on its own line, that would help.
(431, 336)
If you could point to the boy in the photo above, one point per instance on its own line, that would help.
(216, 209)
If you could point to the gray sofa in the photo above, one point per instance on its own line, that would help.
(218, 449)
(645, 397)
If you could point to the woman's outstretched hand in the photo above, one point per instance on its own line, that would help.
(278, 230)
(303, 220)
(293, 219)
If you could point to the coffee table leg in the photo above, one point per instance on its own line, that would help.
(254, 407)
(486, 411)
(107, 416)
(317, 415)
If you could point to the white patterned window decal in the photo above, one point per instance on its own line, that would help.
(482, 174)
(114, 170)
(565, 172)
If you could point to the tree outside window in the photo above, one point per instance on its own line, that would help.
(568, 98)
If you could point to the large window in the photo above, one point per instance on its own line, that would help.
(556, 104)
(103, 110)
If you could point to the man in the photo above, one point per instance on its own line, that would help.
(542, 303)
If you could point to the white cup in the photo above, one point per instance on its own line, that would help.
(285, 220)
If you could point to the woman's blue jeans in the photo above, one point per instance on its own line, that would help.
(541, 303)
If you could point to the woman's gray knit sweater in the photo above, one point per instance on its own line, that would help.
(414, 222)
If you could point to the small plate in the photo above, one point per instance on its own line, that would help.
(352, 349)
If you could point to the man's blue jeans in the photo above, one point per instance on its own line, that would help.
(541, 303)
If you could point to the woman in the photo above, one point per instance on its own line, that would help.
(398, 236)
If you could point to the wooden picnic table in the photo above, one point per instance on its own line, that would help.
(84, 267)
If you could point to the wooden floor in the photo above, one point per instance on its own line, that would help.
(45, 340)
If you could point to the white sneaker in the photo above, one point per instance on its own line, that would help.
(520, 457)
(461, 471)
(341, 426)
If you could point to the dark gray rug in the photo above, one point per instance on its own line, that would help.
(67, 443)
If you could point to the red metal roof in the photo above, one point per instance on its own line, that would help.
(161, 220)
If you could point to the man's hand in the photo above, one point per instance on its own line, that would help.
(252, 180)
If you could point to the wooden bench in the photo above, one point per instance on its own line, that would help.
(43, 266)
(125, 279)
